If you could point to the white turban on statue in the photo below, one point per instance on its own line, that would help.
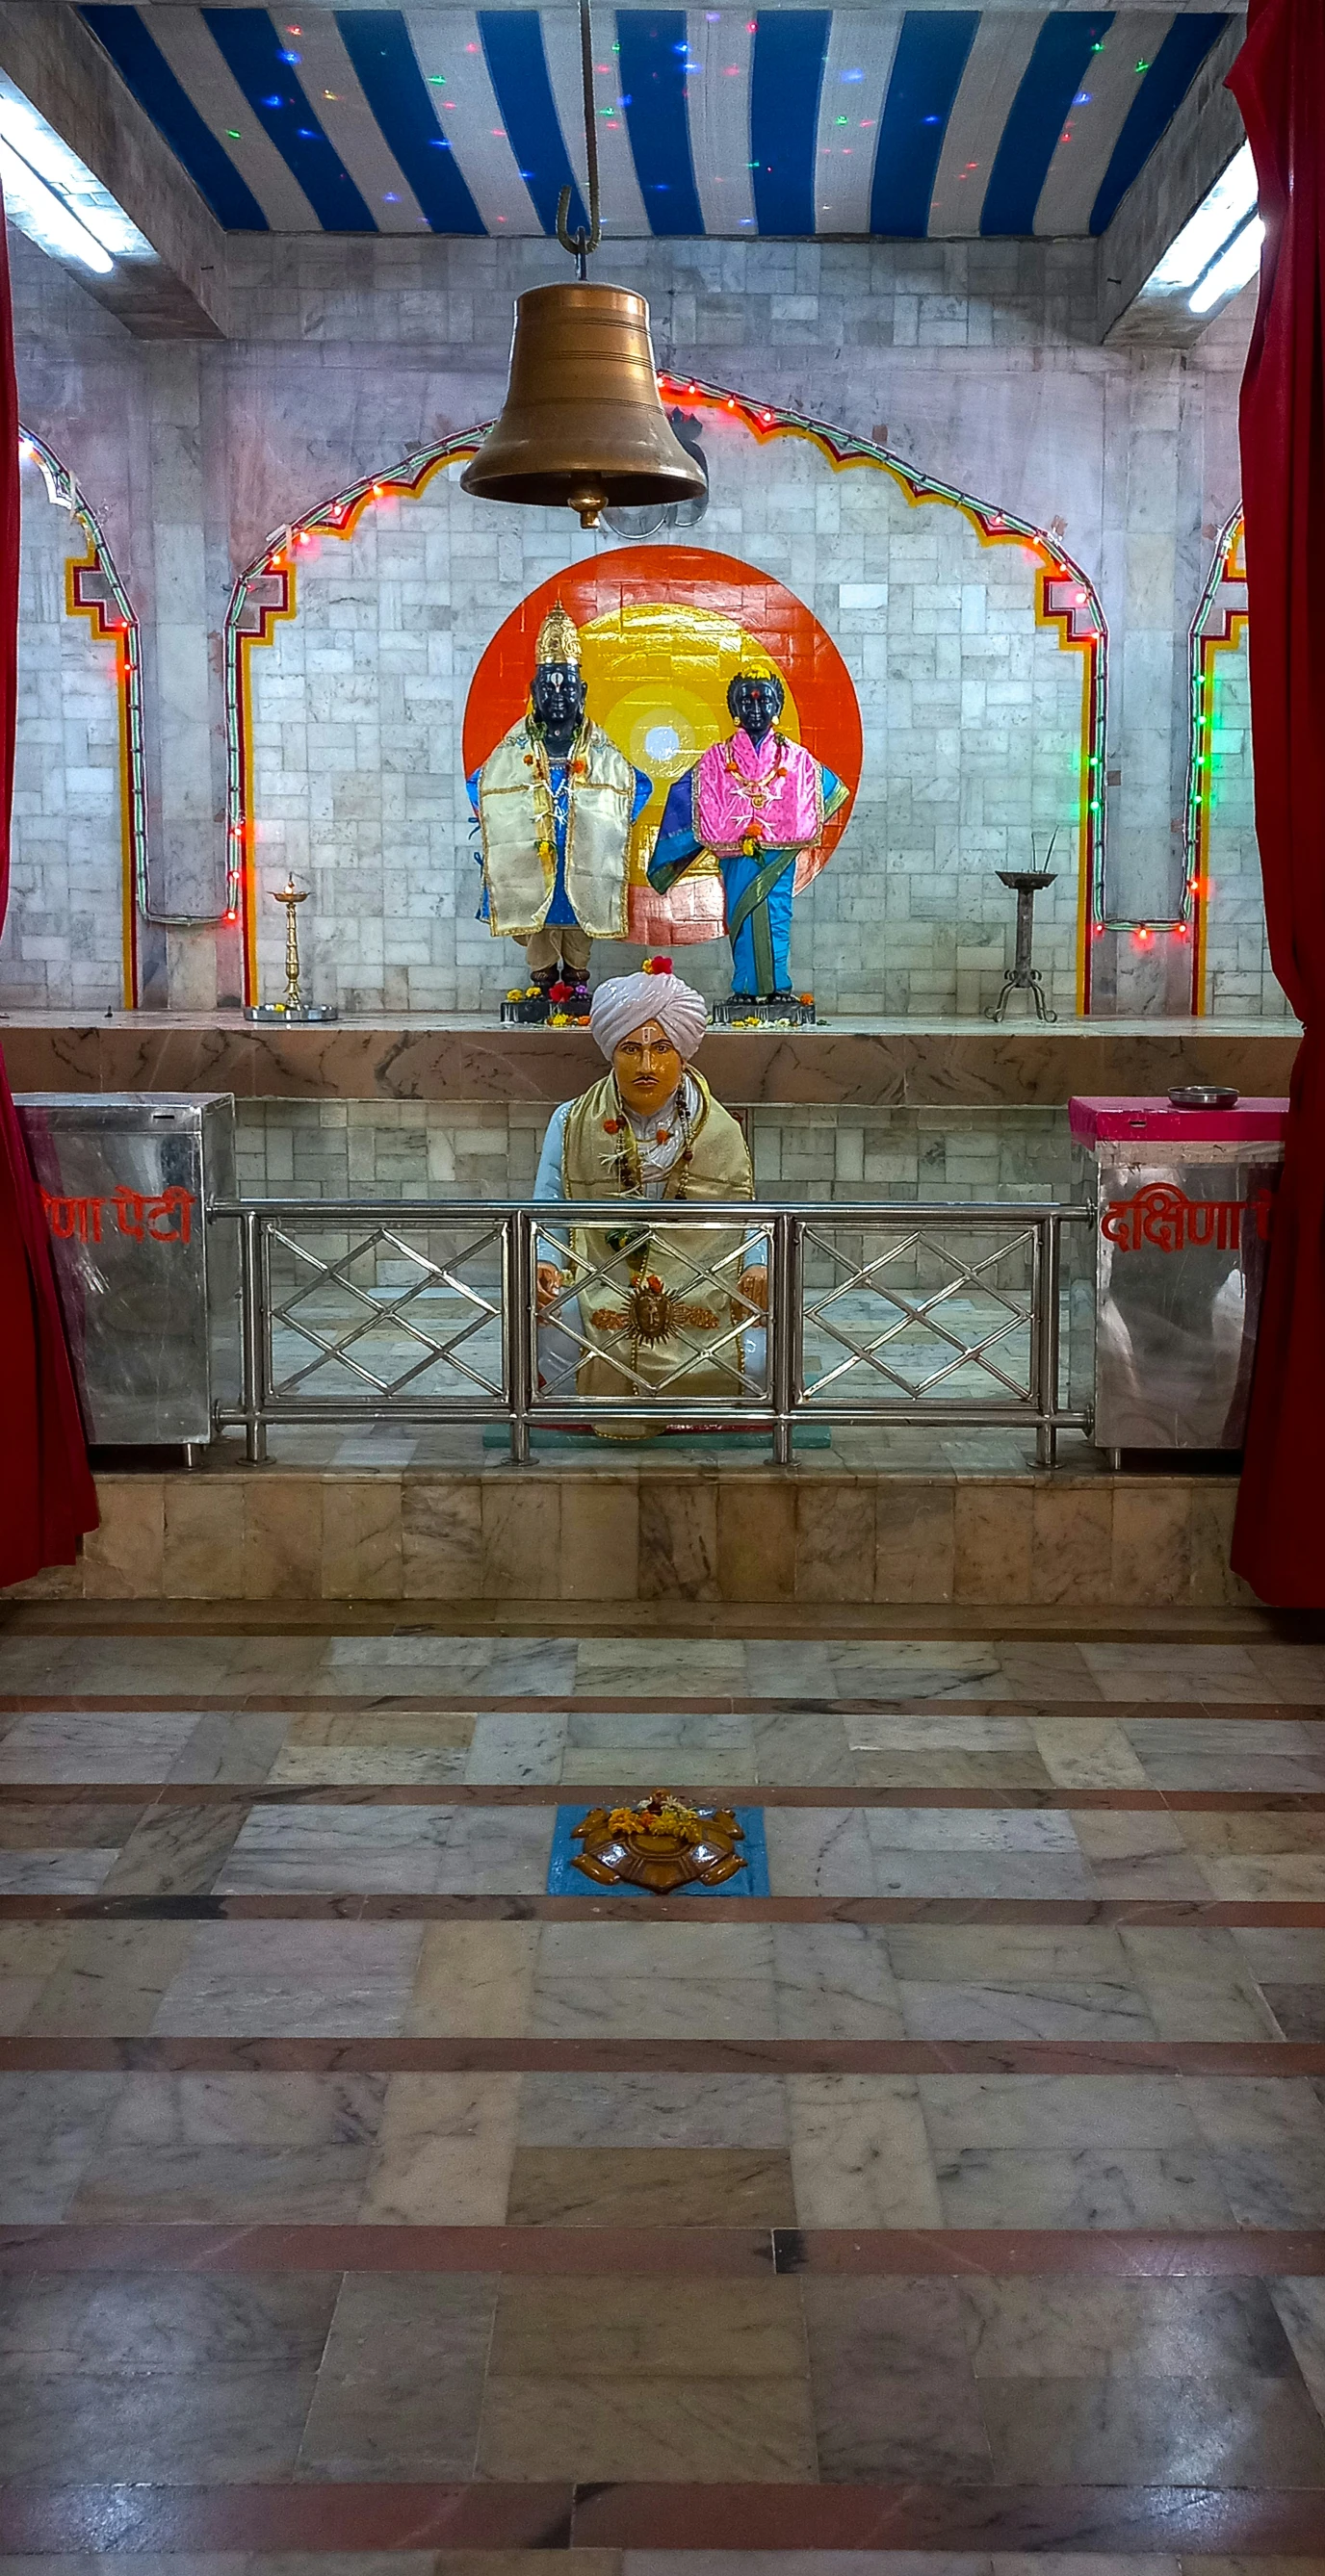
(626, 1002)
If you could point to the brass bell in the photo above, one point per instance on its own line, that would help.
(582, 424)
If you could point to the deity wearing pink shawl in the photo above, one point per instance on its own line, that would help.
(758, 804)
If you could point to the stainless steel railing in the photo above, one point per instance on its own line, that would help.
(430, 1310)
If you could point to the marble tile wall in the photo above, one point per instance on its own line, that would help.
(418, 1148)
(1240, 980)
(972, 716)
(182, 706)
(642, 1535)
(826, 302)
(62, 941)
(977, 361)
(1149, 467)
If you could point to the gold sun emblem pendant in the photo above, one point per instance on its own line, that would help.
(652, 1310)
(653, 1313)
(660, 1845)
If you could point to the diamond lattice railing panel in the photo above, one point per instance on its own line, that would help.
(892, 1316)
(378, 1315)
(732, 1347)
(916, 1319)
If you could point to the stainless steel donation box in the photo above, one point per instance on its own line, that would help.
(149, 1291)
(1183, 1202)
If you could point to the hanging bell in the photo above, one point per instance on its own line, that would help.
(582, 425)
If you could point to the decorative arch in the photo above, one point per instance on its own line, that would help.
(1065, 600)
(1223, 878)
(94, 590)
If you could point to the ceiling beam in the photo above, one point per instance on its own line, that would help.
(180, 292)
(1201, 141)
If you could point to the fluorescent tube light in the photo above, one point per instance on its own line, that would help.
(1231, 270)
(1221, 214)
(44, 217)
(56, 175)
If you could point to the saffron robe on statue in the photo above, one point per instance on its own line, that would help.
(757, 809)
(653, 1324)
(555, 835)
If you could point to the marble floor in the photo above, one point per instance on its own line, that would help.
(956, 2209)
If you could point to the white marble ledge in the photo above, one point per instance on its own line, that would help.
(836, 1024)
(950, 1063)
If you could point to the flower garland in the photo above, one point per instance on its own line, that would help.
(758, 790)
(577, 767)
(624, 1160)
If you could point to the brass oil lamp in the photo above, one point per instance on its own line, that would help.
(294, 1007)
(582, 426)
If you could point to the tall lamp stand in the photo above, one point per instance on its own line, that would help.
(293, 1006)
(1021, 976)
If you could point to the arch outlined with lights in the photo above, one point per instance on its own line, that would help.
(1065, 598)
(93, 589)
(1219, 626)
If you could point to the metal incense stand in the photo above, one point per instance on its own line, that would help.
(294, 1007)
(1021, 976)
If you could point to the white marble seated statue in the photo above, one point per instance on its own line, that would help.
(634, 1309)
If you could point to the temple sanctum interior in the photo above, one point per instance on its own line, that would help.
(561, 650)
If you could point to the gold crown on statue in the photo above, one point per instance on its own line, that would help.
(558, 639)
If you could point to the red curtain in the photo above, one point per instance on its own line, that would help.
(47, 1497)
(1278, 81)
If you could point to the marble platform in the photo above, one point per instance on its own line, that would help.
(844, 1063)
(667, 1530)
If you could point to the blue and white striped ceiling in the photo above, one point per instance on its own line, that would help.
(940, 122)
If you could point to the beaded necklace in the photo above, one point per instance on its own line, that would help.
(626, 1161)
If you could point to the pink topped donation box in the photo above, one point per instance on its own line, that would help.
(1182, 1200)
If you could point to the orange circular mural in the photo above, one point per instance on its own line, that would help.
(663, 631)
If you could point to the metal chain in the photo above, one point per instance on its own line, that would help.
(580, 243)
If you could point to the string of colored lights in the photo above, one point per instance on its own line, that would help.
(93, 589)
(1065, 597)
(1214, 630)
(1191, 921)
